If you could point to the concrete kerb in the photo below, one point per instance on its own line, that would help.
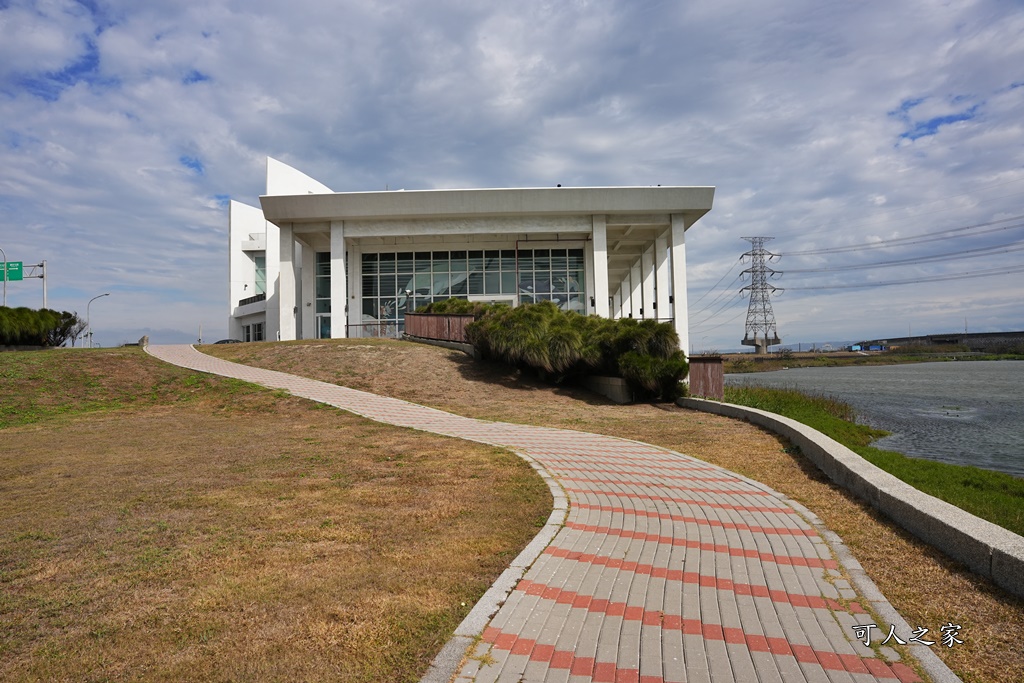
(446, 664)
(989, 550)
(936, 669)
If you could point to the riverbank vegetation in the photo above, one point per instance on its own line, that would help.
(994, 496)
(787, 359)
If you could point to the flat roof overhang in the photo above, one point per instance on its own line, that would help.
(693, 202)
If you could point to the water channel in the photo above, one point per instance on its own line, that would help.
(965, 413)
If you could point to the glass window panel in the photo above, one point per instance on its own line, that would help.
(492, 283)
(404, 262)
(578, 280)
(440, 256)
(370, 307)
(388, 286)
(575, 259)
(440, 285)
(541, 259)
(323, 305)
(541, 283)
(406, 283)
(323, 288)
(387, 309)
(458, 262)
(369, 285)
(559, 281)
(476, 283)
(525, 259)
(369, 264)
(508, 259)
(387, 263)
(441, 265)
(323, 263)
(558, 259)
(475, 261)
(422, 284)
(459, 284)
(491, 259)
(508, 283)
(422, 256)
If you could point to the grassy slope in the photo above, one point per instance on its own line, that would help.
(167, 525)
(994, 496)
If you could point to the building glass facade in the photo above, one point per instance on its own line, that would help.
(396, 282)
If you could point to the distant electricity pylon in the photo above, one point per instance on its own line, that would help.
(760, 329)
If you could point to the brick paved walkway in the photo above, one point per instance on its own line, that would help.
(667, 568)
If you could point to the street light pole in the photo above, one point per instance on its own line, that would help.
(88, 318)
(5, 275)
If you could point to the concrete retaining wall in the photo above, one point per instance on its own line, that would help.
(614, 388)
(989, 550)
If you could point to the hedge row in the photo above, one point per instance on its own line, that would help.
(561, 344)
(26, 327)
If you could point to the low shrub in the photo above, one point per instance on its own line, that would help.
(561, 344)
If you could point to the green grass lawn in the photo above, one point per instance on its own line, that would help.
(994, 496)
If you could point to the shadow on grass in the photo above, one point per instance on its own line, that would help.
(516, 379)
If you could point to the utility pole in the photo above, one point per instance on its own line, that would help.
(760, 329)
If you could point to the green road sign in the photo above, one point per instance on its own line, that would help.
(14, 271)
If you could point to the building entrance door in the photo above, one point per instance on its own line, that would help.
(323, 326)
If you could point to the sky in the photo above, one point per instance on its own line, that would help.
(126, 127)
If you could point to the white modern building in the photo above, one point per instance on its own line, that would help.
(313, 263)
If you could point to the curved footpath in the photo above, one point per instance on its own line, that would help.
(662, 567)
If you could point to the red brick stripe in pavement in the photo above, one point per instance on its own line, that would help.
(684, 501)
(713, 547)
(771, 530)
(795, 599)
(607, 671)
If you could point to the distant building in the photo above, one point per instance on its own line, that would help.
(613, 251)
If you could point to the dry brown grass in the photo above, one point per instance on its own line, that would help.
(219, 532)
(925, 587)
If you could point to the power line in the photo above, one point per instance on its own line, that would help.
(736, 297)
(912, 281)
(914, 239)
(718, 298)
(716, 284)
(934, 258)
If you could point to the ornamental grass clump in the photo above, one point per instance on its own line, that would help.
(561, 344)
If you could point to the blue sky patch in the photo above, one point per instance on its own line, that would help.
(222, 200)
(194, 76)
(193, 164)
(51, 84)
(923, 128)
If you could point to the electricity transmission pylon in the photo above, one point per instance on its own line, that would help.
(760, 330)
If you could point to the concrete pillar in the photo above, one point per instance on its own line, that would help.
(273, 310)
(636, 297)
(647, 266)
(600, 249)
(617, 299)
(287, 305)
(661, 278)
(307, 293)
(339, 289)
(680, 313)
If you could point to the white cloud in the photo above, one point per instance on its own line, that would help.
(125, 125)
